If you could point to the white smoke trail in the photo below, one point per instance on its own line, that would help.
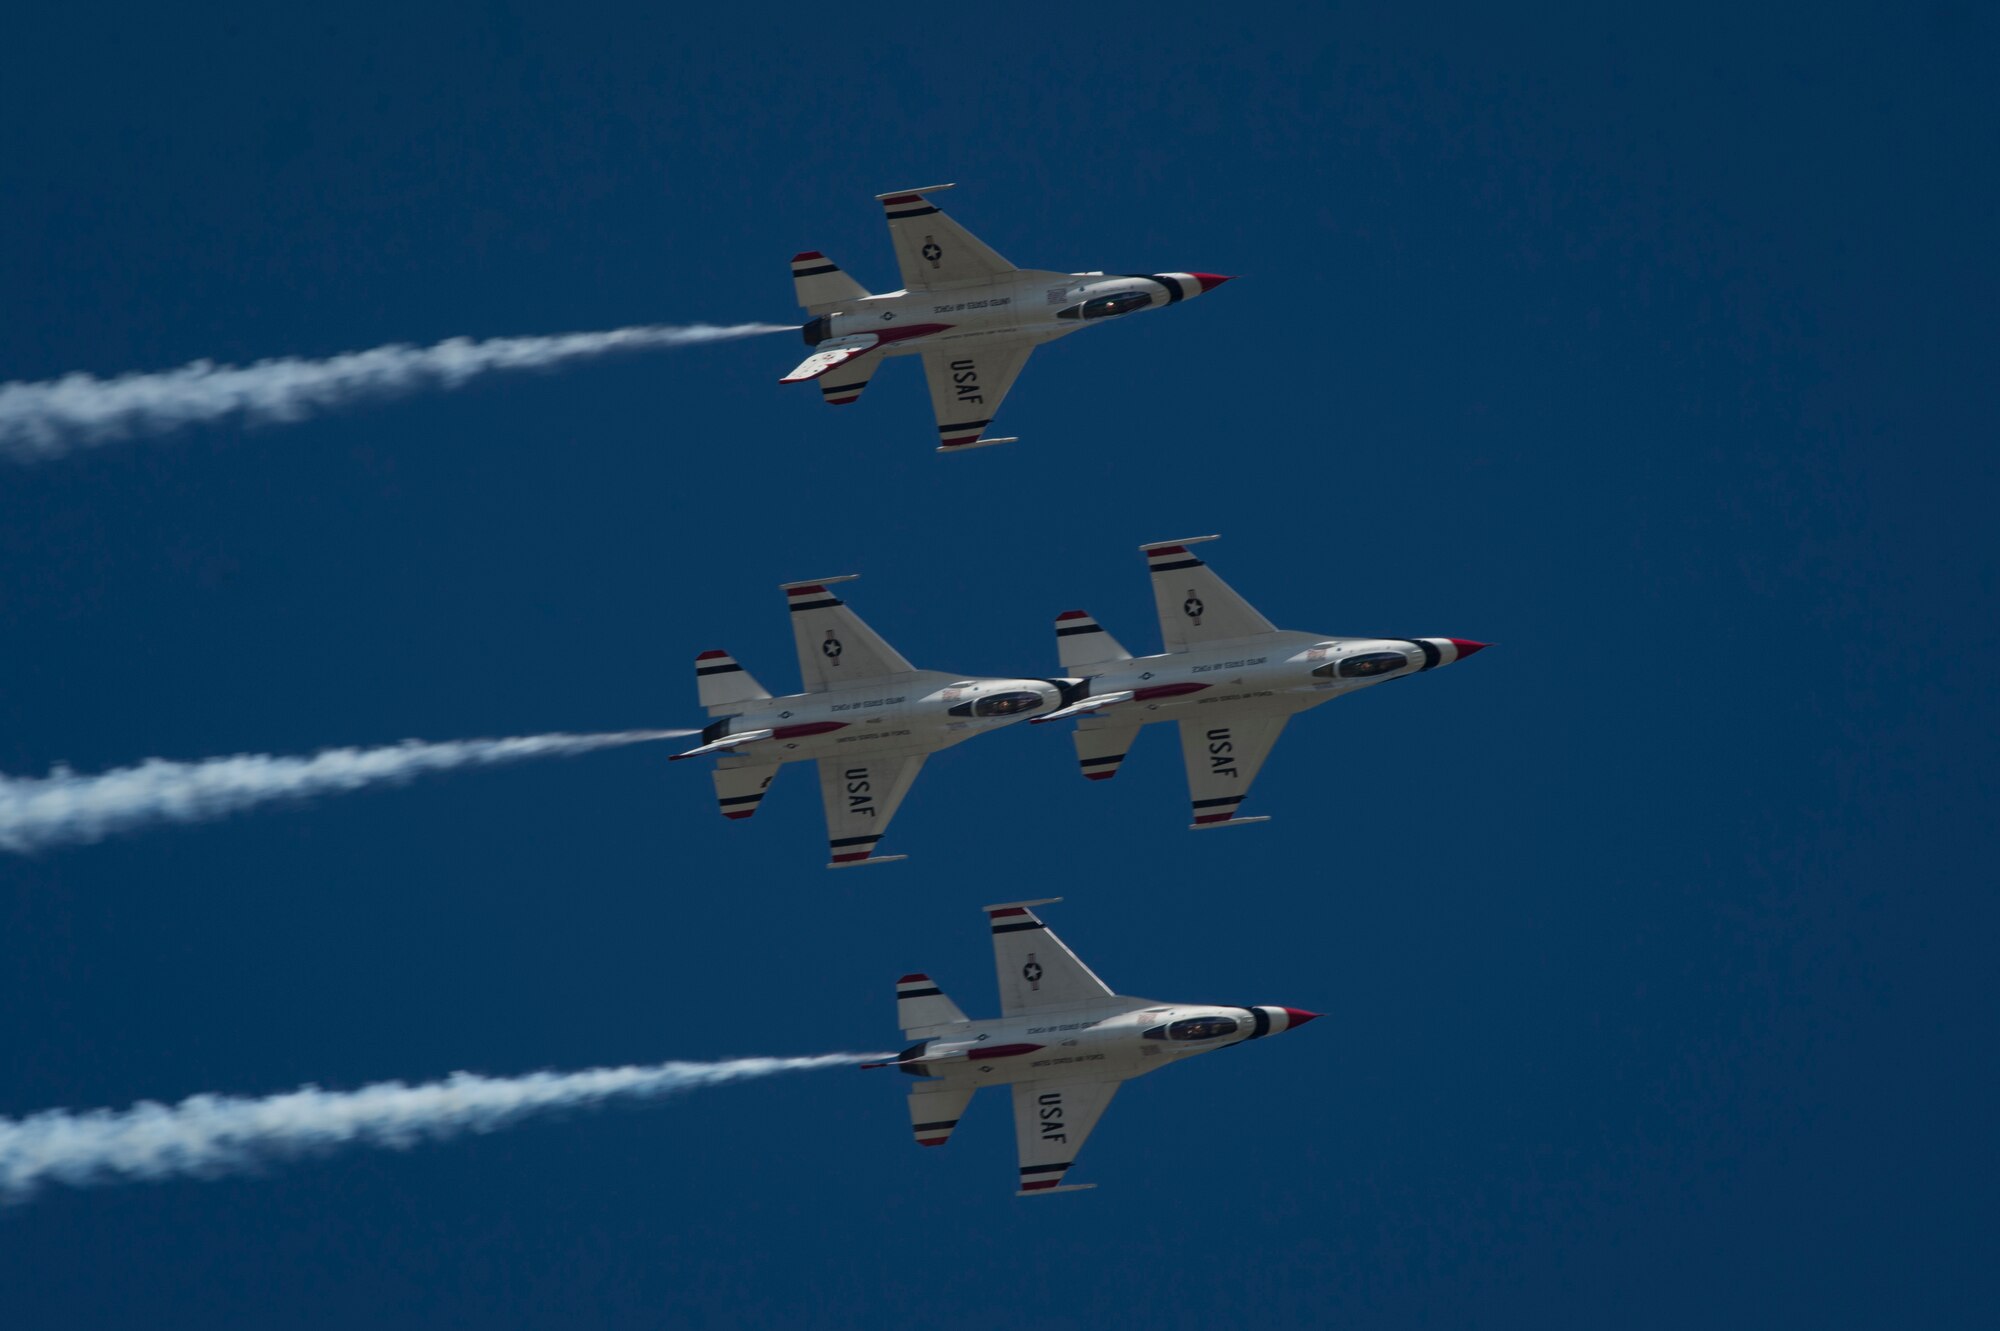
(66, 806)
(45, 420)
(207, 1135)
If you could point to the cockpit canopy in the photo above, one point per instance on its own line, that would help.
(999, 704)
(1365, 666)
(1194, 1028)
(1103, 307)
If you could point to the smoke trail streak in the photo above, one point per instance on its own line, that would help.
(66, 806)
(44, 420)
(209, 1135)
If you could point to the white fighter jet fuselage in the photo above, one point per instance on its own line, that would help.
(973, 316)
(867, 717)
(1118, 1038)
(1274, 674)
(1025, 306)
(1064, 1043)
(1230, 677)
(921, 712)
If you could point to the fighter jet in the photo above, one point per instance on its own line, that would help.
(1229, 677)
(1063, 1042)
(867, 716)
(969, 313)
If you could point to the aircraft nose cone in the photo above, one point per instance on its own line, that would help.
(1467, 646)
(1296, 1017)
(1210, 281)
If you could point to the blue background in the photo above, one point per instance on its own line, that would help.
(1654, 347)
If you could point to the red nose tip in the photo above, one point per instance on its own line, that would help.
(1297, 1016)
(1210, 281)
(1467, 646)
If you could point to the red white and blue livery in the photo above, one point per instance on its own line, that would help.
(1062, 1045)
(1228, 677)
(868, 718)
(971, 315)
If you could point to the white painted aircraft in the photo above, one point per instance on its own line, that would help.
(867, 716)
(1063, 1042)
(969, 313)
(1229, 677)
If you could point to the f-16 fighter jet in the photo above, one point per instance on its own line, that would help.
(868, 717)
(969, 313)
(1228, 677)
(1063, 1042)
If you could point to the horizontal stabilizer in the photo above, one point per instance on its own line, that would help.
(722, 684)
(1084, 708)
(724, 745)
(831, 357)
(935, 1110)
(1101, 744)
(1082, 641)
(921, 1005)
(1050, 1192)
(872, 859)
(740, 784)
(822, 285)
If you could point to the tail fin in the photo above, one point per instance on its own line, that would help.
(1082, 641)
(723, 684)
(922, 1006)
(821, 284)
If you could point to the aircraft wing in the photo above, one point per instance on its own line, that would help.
(1195, 606)
(1223, 757)
(931, 249)
(1036, 969)
(967, 388)
(861, 796)
(1051, 1121)
(835, 647)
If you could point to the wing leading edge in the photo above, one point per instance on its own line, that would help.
(1036, 969)
(967, 388)
(1051, 1121)
(931, 249)
(835, 648)
(861, 795)
(1195, 606)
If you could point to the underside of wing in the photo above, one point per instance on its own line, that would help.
(1051, 1121)
(931, 249)
(1196, 606)
(835, 647)
(967, 388)
(1036, 969)
(861, 796)
(1223, 758)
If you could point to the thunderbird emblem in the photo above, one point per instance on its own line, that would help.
(932, 251)
(1192, 607)
(831, 647)
(1032, 972)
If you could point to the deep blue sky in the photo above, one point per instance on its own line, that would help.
(1655, 942)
